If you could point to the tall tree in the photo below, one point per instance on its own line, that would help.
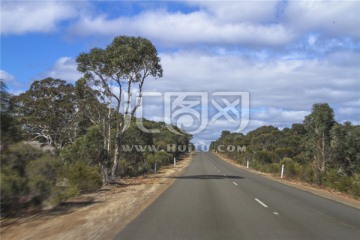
(47, 111)
(117, 69)
(318, 125)
(345, 144)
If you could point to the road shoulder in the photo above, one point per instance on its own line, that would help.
(323, 192)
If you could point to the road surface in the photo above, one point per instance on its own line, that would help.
(215, 200)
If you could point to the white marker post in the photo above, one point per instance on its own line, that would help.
(282, 170)
(247, 164)
(174, 162)
(155, 167)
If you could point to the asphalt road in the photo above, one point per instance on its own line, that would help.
(214, 200)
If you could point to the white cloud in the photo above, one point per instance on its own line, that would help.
(276, 115)
(18, 17)
(174, 29)
(333, 18)
(65, 69)
(7, 77)
(239, 10)
(348, 111)
(13, 86)
(270, 83)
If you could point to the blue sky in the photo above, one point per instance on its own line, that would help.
(287, 54)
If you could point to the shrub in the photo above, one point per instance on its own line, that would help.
(307, 174)
(354, 186)
(13, 187)
(28, 177)
(275, 168)
(42, 174)
(292, 169)
(83, 177)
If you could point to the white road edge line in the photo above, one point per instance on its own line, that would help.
(235, 183)
(263, 204)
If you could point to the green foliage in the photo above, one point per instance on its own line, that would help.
(318, 125)
(17, 156)
(161, 158)
(126, 57)
(83, 177)
(346, 148)
(42, 174)
(265, 156)
(86, 149)
(292, 169)
(47, 111)
(28, 177)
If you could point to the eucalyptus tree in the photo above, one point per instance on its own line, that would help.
(115, 71)
(47, 111)
(345, 145)
(318, 125)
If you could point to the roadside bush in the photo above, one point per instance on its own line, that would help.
(275, 168)
(291, 168)
(28, 178)
(13, 187)
(87, 148)
(354, 186)
(307, 174)
(265, 156)
(83, 177)
(42, 174)
(161, 158)
(17, 156)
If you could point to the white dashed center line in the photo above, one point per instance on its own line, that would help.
(235, 183)
(263, 204)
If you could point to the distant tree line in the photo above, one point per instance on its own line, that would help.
(85, 127)
(319, 150)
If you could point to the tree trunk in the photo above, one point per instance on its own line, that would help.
(103, 161)
(116, 155)
(104, 173)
